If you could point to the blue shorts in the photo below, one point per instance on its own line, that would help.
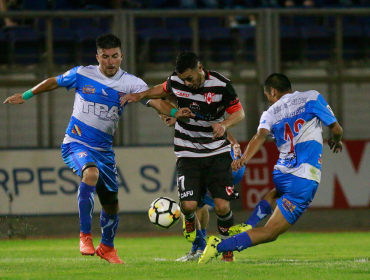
(296, 194)
(78, 157)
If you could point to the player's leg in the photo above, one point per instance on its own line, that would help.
(297, 194)
(200, 242)
(79, 159)
(276, 225)
(262, 210)
(190, 192)
(109, 220)
(220, 184)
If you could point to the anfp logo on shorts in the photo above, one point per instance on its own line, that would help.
(209, 97)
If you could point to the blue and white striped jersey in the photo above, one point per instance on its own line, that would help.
(97, 109)
(295, 123)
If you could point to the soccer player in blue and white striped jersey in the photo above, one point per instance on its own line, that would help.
(294, 120)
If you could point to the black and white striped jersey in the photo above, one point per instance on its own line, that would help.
(208, 103)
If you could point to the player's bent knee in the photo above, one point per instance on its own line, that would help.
(90, 175)
(188, 207)
(111, 209)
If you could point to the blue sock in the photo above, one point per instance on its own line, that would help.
(85, 206)
(199, 242)
(109, 224)
(204, 231)
(238, 242)
(262, 210)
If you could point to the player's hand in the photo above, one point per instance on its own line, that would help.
(237, 151)
(238, 163)
(218, 130)
(129, 98)
(335, 146)
(184, 113)
(15, 99)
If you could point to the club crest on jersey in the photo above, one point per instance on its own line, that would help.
(209, 96)
(88, 89)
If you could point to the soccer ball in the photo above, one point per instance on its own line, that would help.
(164, 212)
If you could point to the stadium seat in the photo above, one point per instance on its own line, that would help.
(24, 45)
(177, 22)
(143, 23)
(4, 48)
(217, 44)
(353, 42)
(158, 44)
(317, 43)
(290, 43)
(183, 37)
(35, 4)
(64, 46)
(86, 48)
(247, 47)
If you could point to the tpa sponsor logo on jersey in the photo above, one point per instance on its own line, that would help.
(209, 96)
(82, 154)
(88, 89)
(288, 205)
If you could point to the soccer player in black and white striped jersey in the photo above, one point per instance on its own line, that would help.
(201, 144)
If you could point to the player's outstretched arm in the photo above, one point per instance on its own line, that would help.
(232, 120)
(166, 108)
(335, 142)
(46, 85)
(252, 148)
(152, 93)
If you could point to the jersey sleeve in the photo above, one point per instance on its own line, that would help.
(68, 79)
(323, 111)
(231, 101)
(139, 86)
(265, 121)
(167, 87)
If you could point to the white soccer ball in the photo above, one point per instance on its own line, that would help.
(164, 212)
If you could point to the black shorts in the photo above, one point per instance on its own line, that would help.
(196, 175)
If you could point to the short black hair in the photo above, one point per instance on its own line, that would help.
(186, 60)
(108, 41)
(279, 82)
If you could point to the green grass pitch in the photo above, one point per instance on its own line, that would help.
(292, 256)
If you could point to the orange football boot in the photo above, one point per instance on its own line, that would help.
(86, 244)
(108, 253)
